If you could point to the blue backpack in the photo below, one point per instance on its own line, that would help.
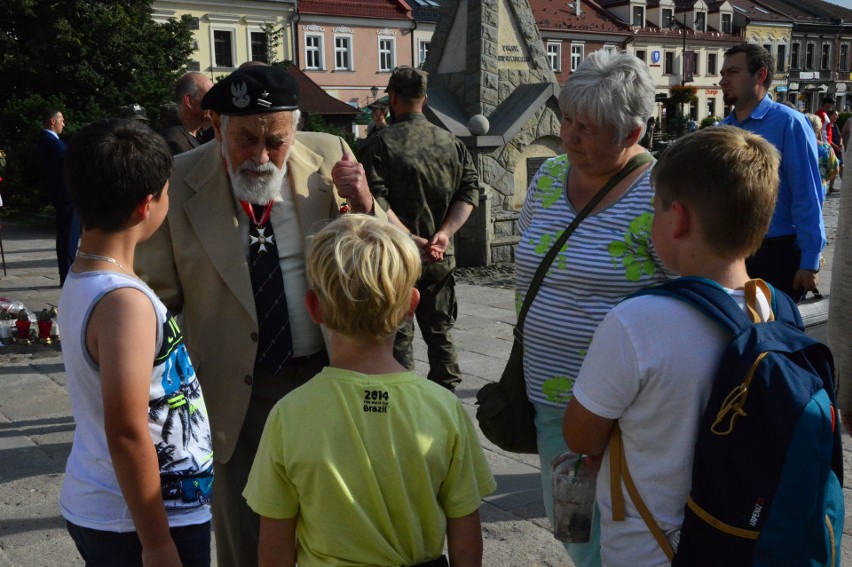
(768, 470)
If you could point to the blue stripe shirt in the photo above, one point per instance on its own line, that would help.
(798, 210)
(608, 257)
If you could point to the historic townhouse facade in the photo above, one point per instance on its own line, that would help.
(351, 49)
(228, 33)
(820, 42)
(681, 42)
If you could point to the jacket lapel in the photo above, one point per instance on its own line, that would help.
(212, 214)
(311, 190)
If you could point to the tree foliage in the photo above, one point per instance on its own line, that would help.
(86, 58)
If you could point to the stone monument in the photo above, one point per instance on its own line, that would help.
(490, 85)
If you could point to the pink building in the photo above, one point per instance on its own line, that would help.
(349, 48)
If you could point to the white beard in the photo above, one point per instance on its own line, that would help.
(260, 189)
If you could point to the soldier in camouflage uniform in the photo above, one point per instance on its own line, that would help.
(425, 179)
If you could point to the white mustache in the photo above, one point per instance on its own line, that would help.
(249, 165)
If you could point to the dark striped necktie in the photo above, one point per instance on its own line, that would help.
(275, 342)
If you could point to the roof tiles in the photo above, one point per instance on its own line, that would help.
(375, 9)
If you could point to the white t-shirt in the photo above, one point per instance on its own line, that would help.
(651, 365)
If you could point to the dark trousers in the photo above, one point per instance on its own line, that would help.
(777, 262)
(67, 238)
(99, 548)
(236, 525)
(436, 315)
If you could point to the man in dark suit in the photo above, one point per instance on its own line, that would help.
(52, 152)
(185, 135)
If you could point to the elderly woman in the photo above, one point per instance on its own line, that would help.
(605, 106)
(828, 164)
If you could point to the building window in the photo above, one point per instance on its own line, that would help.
(669, 65)
(642, 55)
(727, 27)
(809, 56)
(639, 16)
(768, 48)
(695, 69)
(711, 63)
(700, 21)
(387, 54)
(781, 61)
(668, 18)
(794, 56)
(610, 48)
(844, 57)
(554, 55)
(422, 51)
(223, 48)
(313, 52)
(342, 53)
(823, 62)
(259, 47)
(576, 55)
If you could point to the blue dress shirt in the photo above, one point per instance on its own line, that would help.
(799, 207)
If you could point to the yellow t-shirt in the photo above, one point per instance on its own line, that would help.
(371, 465)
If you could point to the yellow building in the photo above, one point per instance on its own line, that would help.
(228, 33)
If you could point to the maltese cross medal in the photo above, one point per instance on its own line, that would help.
(262, 239)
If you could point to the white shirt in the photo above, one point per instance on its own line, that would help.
(651, 366)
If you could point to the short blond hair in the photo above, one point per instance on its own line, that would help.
(729, 178)
(816, 124)
(363, 271)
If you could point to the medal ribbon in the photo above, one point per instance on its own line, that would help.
(249, 209)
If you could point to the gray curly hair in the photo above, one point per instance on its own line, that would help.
(611, 89)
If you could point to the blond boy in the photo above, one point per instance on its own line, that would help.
(652, 360)
(390, 463)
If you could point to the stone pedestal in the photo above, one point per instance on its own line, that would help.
(473, 240)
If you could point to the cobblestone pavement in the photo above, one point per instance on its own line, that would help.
(36, 426)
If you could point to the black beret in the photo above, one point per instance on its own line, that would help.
(253, 90)
(133, 112)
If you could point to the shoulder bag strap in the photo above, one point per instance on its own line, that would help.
(618, 471)
(635, 161)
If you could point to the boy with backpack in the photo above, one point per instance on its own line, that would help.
(662, 371)
(138, 479)
(383, 464)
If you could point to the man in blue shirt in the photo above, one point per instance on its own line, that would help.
(789, 258)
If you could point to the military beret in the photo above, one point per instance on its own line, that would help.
(408, 81)
(378, 105)
(253, 90)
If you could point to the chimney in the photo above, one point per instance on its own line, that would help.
(577, 11)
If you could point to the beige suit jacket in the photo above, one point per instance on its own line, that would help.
(196, 264)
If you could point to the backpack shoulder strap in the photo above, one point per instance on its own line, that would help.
(711, 299)
(618, 471)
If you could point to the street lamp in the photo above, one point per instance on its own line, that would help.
(673, 26)
(374, 91)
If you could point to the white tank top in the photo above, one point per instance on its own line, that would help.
(177, 417)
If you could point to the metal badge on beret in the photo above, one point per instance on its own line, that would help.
(253, 90)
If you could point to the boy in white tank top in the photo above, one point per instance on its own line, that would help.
(138, 480)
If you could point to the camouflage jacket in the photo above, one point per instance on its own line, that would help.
(418, 170)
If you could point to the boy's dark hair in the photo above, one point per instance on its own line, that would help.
(111, 165)
(729, 179)
(757, 58)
